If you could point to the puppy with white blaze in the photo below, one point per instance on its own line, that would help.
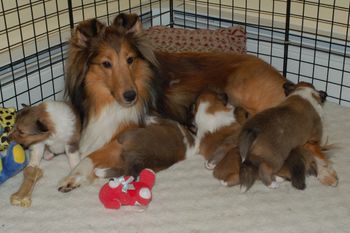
(217, 135)
(49, 128)
(268, 138)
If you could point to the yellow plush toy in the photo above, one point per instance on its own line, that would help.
(7, 120)
(12, 155)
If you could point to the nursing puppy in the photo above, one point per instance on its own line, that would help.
(217, 134)
(267, 139)
(157, 146)
(49, 128)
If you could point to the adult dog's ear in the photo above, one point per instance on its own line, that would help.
(288, 87)
(87, 30)
(128, 23)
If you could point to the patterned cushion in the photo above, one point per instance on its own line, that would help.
(232, 39)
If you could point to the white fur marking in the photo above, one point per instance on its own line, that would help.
(172, 82)
(100, 130)
(36, 154)
(64, 121)
(279, 179)
(224, 183)
(306, 93)
(101, 172)
(152, 120)
(273, 185)
(209, 165)
(210, 122)
(189, 149)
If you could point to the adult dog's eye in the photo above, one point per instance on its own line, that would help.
(107, 64)
(130, 60)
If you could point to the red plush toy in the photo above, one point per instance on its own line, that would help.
(125, 191)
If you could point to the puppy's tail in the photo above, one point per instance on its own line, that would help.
(246, 138)
(296, 165)
(248, 173)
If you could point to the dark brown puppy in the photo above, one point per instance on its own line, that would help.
(157, 146)
(267, 139)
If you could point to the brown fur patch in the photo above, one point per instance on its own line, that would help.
(33, 125)
(267, 139)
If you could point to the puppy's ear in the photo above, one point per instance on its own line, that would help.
(288, 87)
(241, 115)
(41, 127)
(323, 96)
(25, 105)
(87, 30)
(223, 97)
(128, 23)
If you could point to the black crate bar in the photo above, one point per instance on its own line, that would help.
(282, 45)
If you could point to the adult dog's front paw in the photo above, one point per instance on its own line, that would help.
(69, 183)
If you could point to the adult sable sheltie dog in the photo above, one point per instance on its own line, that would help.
(114, 79)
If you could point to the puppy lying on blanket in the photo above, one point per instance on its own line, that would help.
(268, 138)
(157, 146)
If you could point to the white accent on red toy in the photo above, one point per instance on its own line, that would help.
(127, 191)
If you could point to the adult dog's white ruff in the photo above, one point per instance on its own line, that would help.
(101, 128)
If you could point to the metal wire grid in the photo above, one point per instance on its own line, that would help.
(293, 36)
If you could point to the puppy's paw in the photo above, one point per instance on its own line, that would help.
(227, 177)
(279, 179)
(273, 185)
(230, 180)
(209, 165)
(327, 176)
(69, 183)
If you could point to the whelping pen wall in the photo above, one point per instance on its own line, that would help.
(304, 39)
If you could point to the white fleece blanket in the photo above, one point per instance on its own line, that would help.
(186, 198)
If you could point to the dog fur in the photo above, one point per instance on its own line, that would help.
(268, 138)
(157, 146)
(114, 79)
(51, 127)
(217, 135)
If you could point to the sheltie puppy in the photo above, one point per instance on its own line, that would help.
(157, 146)
(218, 125)
(217, 135)
(268, 138)
(114, 79)
(51, 127)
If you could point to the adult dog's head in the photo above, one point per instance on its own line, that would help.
(109, 64)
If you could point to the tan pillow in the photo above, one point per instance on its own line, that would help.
(232, 39)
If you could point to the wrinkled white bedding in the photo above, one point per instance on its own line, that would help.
(186, 198)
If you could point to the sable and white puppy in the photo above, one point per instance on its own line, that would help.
(217, 135)
(268, 138)
(158, 145)
(49, 128)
